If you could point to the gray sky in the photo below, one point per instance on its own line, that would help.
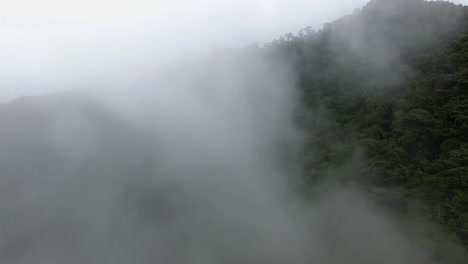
(49, 45)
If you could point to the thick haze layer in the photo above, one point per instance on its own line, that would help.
(176, 150)
(51, 45)
(178, 170)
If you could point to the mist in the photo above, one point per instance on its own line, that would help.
(185, 176)
(49, 45)
(157, 138)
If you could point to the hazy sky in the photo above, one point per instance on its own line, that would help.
(47, 45)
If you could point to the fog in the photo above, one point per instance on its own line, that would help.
(52, 45)
(185, 174)
(49, 45)
(169, 144)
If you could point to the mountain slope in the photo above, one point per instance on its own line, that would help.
(385, 98)
(384, 105)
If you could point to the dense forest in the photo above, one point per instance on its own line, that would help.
(385, 95)
(199, 169)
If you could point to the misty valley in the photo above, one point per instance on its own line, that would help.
(346, 144)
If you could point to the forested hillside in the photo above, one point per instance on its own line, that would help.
(347, 144)
(386, 105)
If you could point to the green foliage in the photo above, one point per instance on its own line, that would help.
(392, 80)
